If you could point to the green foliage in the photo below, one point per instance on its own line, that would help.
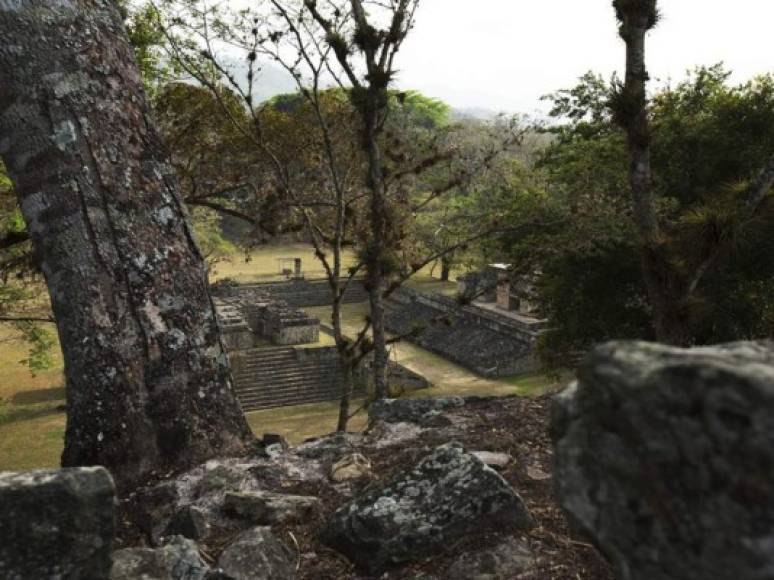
(209, 237)
(41, 342)
(38, 338)
(709, 140)
(146, 36)
(423, 111)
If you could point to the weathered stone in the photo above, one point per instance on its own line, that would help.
(536, 473)
(274, 450)
(419, 411)
(665, 457)
(447, 495)
(352, 466)
(264, 507)
(332, 447)
(178, 559)
(273, 439)
(393, 434)
(506, 560)
(258, 555)
(189, 522)
(154, 508)
(494, 459)
(56, 524)
(218, 477)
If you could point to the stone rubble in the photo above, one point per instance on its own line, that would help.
(449, 494)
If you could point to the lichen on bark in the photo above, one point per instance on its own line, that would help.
(148, 381)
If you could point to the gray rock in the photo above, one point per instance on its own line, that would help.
(178, 559)
(665, 457)
(217, 478)
(190, 522)
(503, 562)
(350, 467)
(154, 507)
(275, 439)
(424, 412)
(448, 495)
(56, 524)
(330, 448)
(494, 459)
(265, 508)
(258, 555)
(274, 450)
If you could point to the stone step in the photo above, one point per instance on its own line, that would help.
(282, 370)
(272, 402)
(280, 377)
(278, 399)
(274, 392)
(303, 388)
(268, 361)
(269, 357)
(260, 368)
(306, 382)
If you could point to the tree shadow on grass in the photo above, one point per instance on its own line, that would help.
(39, 396)
(11, 414)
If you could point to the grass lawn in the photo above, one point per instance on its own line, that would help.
(32, 425)
(263, 265)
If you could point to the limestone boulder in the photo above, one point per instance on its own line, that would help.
(446, 496)
(419, 411)
(178, 559)
(190, 522)
(266, 508)
(510, 559)
(665, 458)
(258, 554)
(56, 524)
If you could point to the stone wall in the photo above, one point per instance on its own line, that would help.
(485, 341)
(308, 293)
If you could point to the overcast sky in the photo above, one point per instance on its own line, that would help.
(504, 54)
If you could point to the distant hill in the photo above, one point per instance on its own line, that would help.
(475, 113)
(270, 81)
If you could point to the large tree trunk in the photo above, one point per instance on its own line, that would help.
(666, 292)
(148, 380)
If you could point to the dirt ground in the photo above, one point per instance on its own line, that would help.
(517, 426)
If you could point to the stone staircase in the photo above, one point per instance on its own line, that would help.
(281, 376)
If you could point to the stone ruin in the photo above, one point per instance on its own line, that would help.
(271, 346)
(479, 336)
(251, 317)
(500, 287)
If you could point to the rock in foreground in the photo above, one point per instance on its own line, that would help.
(258, 555)
(178, 559)
(56, 524)
(665, 457)
(449, 494)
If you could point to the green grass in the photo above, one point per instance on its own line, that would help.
(32, 425)
(263, 266)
